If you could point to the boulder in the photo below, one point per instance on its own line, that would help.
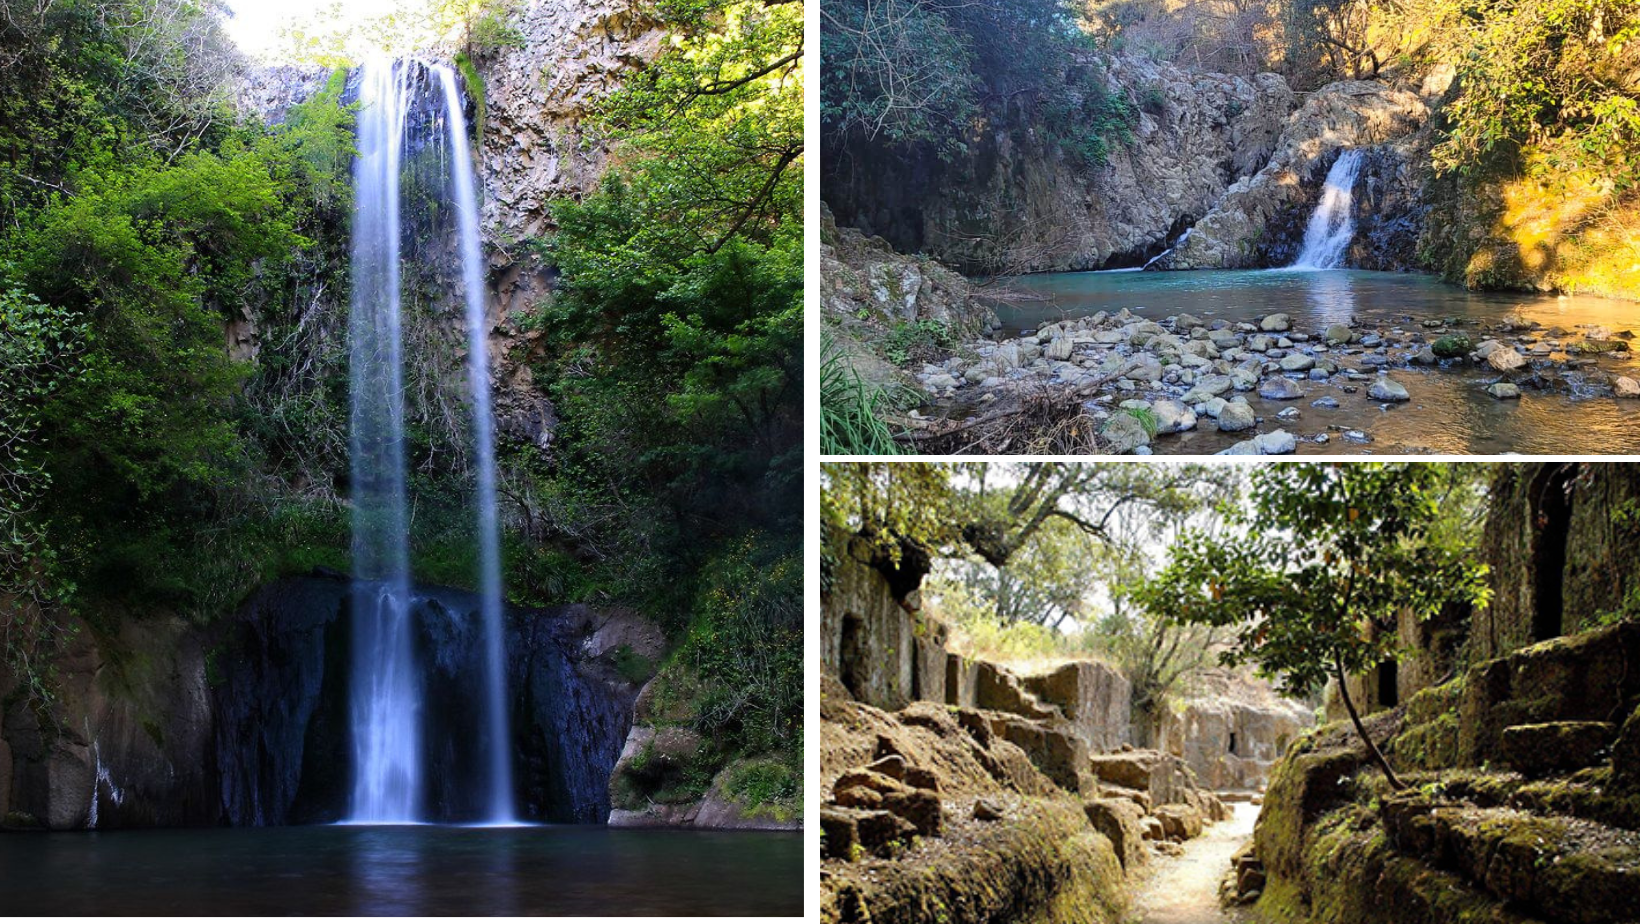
(1625, 387)
(1275, 443)
(1503, 390)
(988, 810)
(1297, 362)
(1173, 416)
(1236, 415)
(1121, 822)
(1337, 334)
(1387, 389)
(1451, 345)
(1275, 323)
(1180, 822)
(1626, 753)
(1505, 359)
(1280, 388)
(1124, 432)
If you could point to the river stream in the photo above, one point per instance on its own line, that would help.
(1449, 410)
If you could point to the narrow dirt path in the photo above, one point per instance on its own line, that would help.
(1185, 889)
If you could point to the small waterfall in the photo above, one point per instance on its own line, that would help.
(489, 532)
(1332, 226)
(101, 780)
(386, 707)
(1182, 238)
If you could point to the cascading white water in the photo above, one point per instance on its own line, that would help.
(1332, 225)
(386, 700)
(1182, 238)
(463, 187)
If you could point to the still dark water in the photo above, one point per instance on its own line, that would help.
(1450, 411)
(419, 870)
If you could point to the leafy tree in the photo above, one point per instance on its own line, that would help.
(672, 351)
(1554, 74)
(915, 76)
(1330, 555)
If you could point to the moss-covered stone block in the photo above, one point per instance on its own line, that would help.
(1537, 750)
(1626, 754)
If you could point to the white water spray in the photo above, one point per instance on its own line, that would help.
(489, 534)
(1332, 225)
(386, 697)
(1176, 244)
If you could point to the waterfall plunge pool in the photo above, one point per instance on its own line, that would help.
(404, 870)
(1449, 410)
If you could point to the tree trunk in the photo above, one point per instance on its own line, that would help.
(1355, 717)
(1004, 596)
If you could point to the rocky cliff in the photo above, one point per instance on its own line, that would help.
(245, 723)
(1232, 738)
(1519, 746)
(950, 782)
(1261, 217)
(1017, 203)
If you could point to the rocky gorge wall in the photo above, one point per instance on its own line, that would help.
(1224, 172)
(246, 723)
(1015, 203)
(1260, 219)
(954, 785)
(886, 652)
(1517, 734)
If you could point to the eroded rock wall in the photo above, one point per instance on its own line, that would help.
(126, 740)
(1232, 745)
(1261, 217)
(1563, 543)
(1018, 203)
(247, 723)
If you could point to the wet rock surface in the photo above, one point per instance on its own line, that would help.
(248, 722)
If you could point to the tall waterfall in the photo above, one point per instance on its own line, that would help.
(386, 702)
(1332, 226)
(489, 532)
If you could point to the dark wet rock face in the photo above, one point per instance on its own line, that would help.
(285, 734)
(249, 722)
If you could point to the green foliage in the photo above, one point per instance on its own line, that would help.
(490, 28)
(633, 667)
(141, 256)
(476, 89)
(1549, 74)
(897, 70)
(139, 217)
(931, 75)
(746, 639)
(317, 138)
(1330, 555)
(918, 339)
(760, 783)
(851, 421)
(672, 351)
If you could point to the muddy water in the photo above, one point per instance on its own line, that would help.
(1185, 889)
(1450, 412)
